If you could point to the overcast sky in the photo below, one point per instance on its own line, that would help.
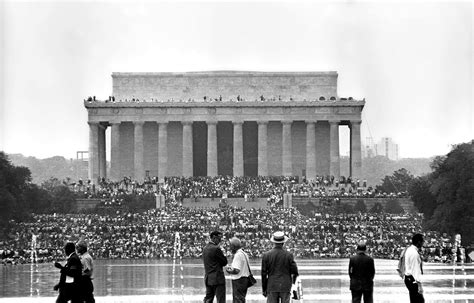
(412, 62)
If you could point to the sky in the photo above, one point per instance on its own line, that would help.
(411, 61)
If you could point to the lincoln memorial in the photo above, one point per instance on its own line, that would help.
(222, 123)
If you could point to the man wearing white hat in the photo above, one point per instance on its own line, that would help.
(279, 271)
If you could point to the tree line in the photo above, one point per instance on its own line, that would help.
(445, 196)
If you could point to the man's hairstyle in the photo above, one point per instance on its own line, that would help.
(69, 247)
(417, 238)
(362, 245)
(215, 233)
(81, 244)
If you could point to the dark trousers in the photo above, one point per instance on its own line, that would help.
(215, 290)
(357, 296)
(415, 296)
(239, 289)
(278, 297)
(87, 290)
(69, 292)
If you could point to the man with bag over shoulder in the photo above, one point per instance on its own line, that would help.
(279, 271)
(239, 271)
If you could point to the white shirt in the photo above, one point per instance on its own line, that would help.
(68, 278)
(413, 263)
(240, 262)
(87, 263)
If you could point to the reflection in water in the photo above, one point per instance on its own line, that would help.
(154, 277)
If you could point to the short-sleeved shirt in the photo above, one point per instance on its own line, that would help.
(240, 262)
(413, 263)
(87, 263)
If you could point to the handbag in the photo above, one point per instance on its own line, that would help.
(251, 279)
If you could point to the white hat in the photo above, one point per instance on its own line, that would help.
(279, 237)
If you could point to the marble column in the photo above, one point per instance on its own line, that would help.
(287, 165)
(139, 166)
(334, 164)
(238, 167)
(102, 152)
(187, 148)
(93, 152)
(162, 150)
(356, 153)
(212, 148)
(262, 148)
(310, 149)
(115, 172)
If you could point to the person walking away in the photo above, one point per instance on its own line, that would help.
(414, 269)
(361, 273)
(239, 271)
(279, 271)
(70, 277)
(214, 261)
(86, 285)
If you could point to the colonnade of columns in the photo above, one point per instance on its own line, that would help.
(97, 150)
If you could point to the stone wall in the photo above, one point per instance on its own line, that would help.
(406, 203)
(86, 204)
(236, 202)
(249, 85)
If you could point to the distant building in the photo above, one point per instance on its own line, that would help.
(368, 148)
(388, 148)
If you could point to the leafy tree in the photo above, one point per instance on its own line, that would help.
(399, 181)
(14, 180)
(376, 208)
(393, 207)
(38, 200)
(50, 184)
(61, 200)
(453, 188)
(422, 198)
(360, 206)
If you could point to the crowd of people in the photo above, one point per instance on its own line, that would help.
(151, 234)
(238, 98)
(178, 188)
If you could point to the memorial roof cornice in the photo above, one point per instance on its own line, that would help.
(178, 104)
(229, 73)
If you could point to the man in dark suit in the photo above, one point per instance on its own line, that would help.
(279, 271)
(214, 261)
(69, 281)
(362, 272)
